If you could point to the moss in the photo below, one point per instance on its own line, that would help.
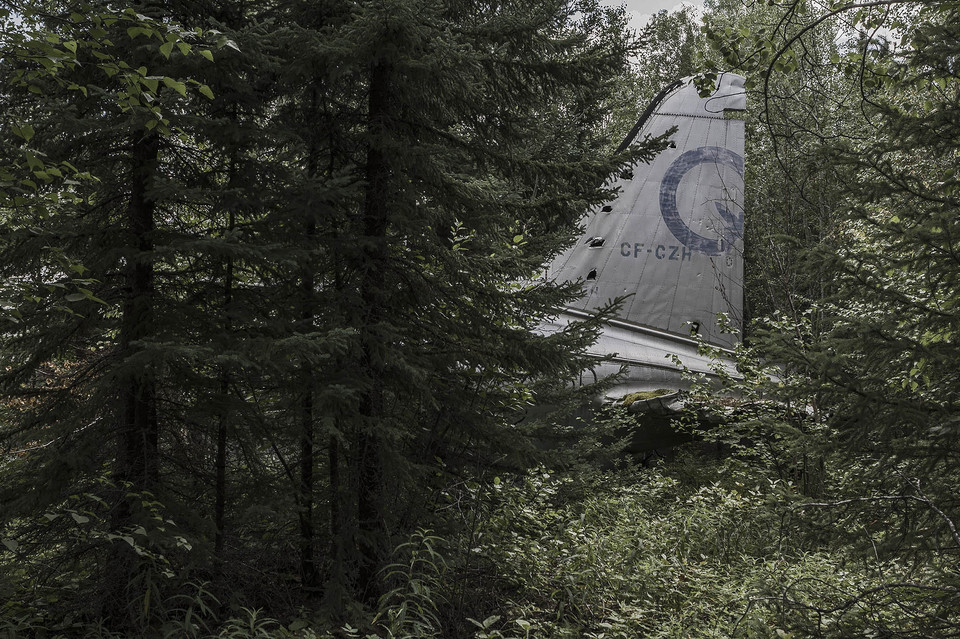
(635, 397)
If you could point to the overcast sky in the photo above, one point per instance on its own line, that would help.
(641, 10)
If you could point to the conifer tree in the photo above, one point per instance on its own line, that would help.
(299, 274)
(461, 199)
(111, 282)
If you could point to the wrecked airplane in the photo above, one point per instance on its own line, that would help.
(671, 241)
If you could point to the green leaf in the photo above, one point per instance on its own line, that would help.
(489, 621)
(25, 131)
(88, 294)
(223, 41)
(205, 90)
(77, 517)
(11, 544)
(166, 49)
(207, 54)
(177, 86)
(298, 624)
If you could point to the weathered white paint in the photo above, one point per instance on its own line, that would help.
(672, 241)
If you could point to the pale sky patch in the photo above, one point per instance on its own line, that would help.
(640, 11)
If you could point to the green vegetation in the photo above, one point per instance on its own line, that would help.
(270, 291)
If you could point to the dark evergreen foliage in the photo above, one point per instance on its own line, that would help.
(295, 283)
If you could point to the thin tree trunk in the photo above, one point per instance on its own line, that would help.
(136, 468)
(373, 298)
(220, 487)
(138, 455)
(309, 569)
(333, 463)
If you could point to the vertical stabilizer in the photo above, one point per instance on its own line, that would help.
(673, 237)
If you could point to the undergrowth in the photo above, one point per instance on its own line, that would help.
(695, 548)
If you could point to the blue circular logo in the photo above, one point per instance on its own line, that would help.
(732, 220)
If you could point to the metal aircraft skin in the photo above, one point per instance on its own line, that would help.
(672, 241)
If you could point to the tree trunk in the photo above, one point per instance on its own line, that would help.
(374, 302)
(309, 569)
(139, 436)
(136, 467)
(220, 487)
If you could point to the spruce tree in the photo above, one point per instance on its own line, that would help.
(296, 287)
(461, 198)
(114, 349)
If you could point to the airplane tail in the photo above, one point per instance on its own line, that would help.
(672, 239)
